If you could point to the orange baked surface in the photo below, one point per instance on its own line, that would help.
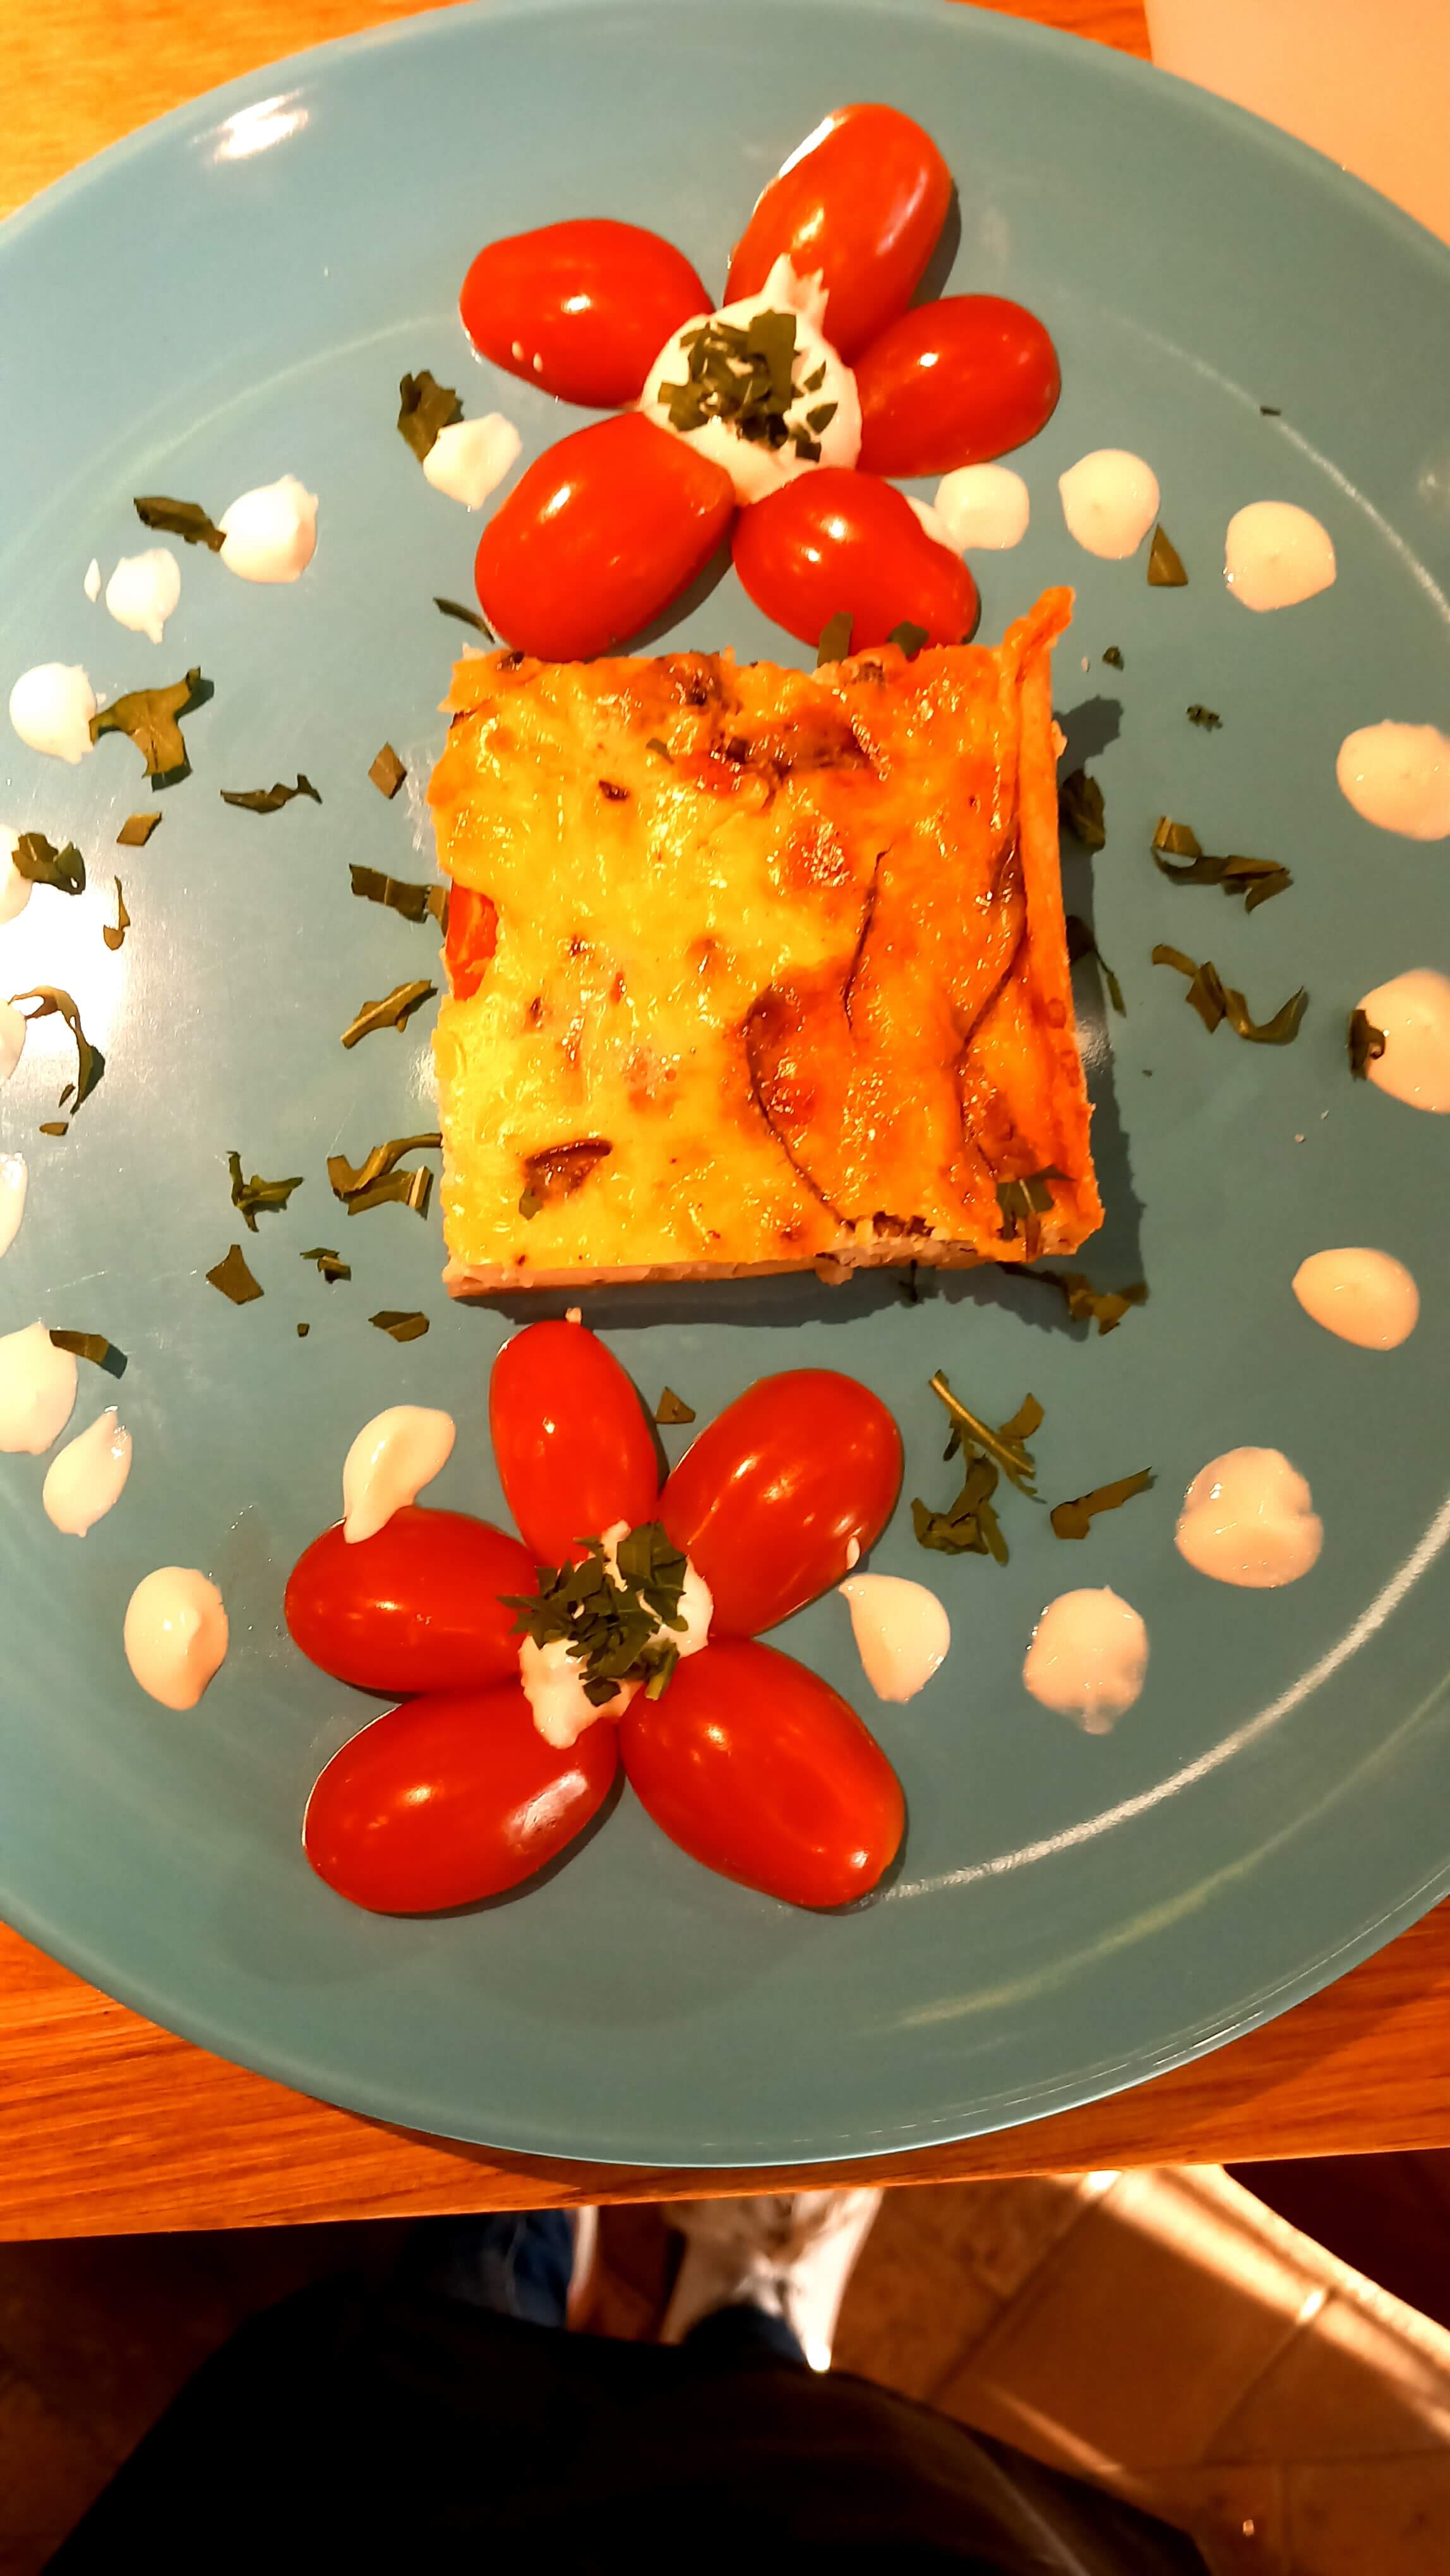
(756, 968)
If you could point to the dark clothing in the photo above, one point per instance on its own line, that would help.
(350, 2428)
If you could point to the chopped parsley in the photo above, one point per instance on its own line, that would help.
(95, 1348)
(405, 1325)
(1086, 1304)
(269, 800)
(672, 1408)
(744, 373)
(1255, 879)
(1203, 716)
(185, 519)
(969, 1526)
(376, 1181)
(234, 1279)
(465, 616)
(392, 1012)
(425, 407)
(1074, 1519)
(136, 831)
(257, 1197)
(151, 717)
(41, 863)
(1165, 564)
(1081, 811)
(387, 772)
(401, 894)
(90, 1063)
(612, 1618)
(1214, 1000)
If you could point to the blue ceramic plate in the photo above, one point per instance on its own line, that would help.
(234, 294)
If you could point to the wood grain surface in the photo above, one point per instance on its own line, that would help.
(108, 2125)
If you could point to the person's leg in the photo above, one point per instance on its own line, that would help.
(517, 2263)
(778, 2261)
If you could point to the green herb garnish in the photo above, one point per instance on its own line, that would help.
(1024, 1203)
(612, 1618)
(1203, 716)
(1074, 1519)
(1082, 942)
(1366, 1044)
(302, 1332)
(39, 861)
(425, 407)
(673, 1408)
(376, 1180)
(392, 1012)
(1081, 811)
(114, 932)
(1007, 1445)
(387, 772)
(1255, 879)
(401, 894)
(150, 717)
(330, 1265)
(910, 638)
(184, 519)
(90, 1063)
(835, 643)
(1086, 1304)
(744, 373)
(269, 800)
(234, 1278)
(969, 1526)
(529, 1205)
(93, 1347)
(257, 1197)
(1113, 658)
(54, 1127)
(1271, 411)
(136, 831)
(1214, 1000)
(1165, 565)
(465, 616)
(653, 743)
(404, 1325)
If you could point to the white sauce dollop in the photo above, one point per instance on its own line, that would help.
(1412, 1013)
(37, 1390)
(1398, 777)
(901, 1629)
(92, 583)
(985, 507)
(271, 534)
(13, 1027)
(470, 458)
(15, 890)
(1087, 1658)
(87, 1477)
(1248, 1518)
(553, 1683)
(1276, 554)
(51, 709)
(175, 1634)
(143, 590)
(754, 468)
(393, 1457)
(932, 521)
(14, 1181)
(1110, 501)
(1364, 1296)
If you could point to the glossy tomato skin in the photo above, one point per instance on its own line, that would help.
(865, 205)
(575, 1451)
(471, 941)
(604, 530)
(835, 539)
(769, 1498)
(450, 1798)
(759, 1770)
(414, 1608)
(593, 300)
(954, 383)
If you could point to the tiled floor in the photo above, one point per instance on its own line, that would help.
(1162, 2332)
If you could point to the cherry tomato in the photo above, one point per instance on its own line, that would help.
(471, 941)
(574, 1448)
(449, 1798)
(767, 1501)
(863, 201)
(581, 308)
(834, 539)
(953, 383)
(414, 1608)
(601, 533)
(761, 1771)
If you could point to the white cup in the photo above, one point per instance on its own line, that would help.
(1365, 81)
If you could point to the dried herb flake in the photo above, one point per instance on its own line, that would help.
(1214, 1000)
(1165, 564)
(1086, 1304)
(1113, 657)
(114, 932)
(404, 1325)
(1081, 811)
(613, 1618)
(1203, 716)
(387, 772)
(910, 638)
(269, 800)
(234, 1278)
(673, 1408)
(1082, 942)
(1074, 1519)
(425, 407)
(41, 863)
(653, 743)
(95, 1348)
(330, 1265)
(401, 894)
(136, 831)
(1366, 1044)
(465, 616)
(392, 1012)
(185, 519)
(151, 718)
(1257, 880)
(257, 1197)
(90, 1063)
(377, 1182)
(835, 643)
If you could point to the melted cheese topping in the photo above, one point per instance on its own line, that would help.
(794, 977)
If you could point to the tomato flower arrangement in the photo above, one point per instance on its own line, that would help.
(743, 1757)
(817, 380)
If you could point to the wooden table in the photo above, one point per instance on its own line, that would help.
(108, 2125)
